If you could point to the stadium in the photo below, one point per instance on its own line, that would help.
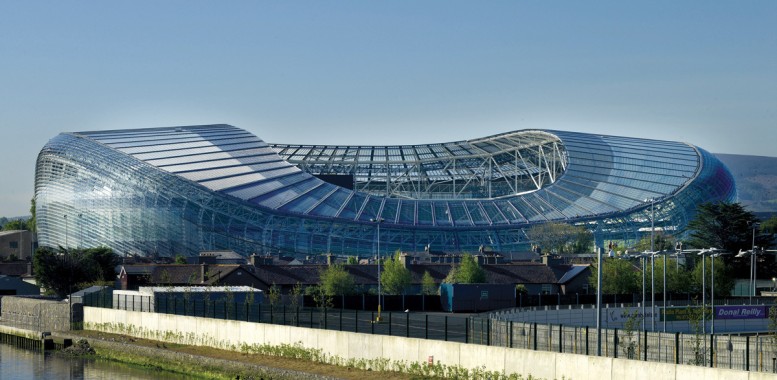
(182, 190)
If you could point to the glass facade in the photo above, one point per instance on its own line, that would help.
(180, 190)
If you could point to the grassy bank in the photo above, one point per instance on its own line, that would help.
(211, 363)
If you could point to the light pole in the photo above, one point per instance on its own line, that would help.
(652, 265)
(599, 301)
(81, 229)
(378, 221)
(66, 232)
(753, 278)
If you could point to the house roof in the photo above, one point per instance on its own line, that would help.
(573, 271)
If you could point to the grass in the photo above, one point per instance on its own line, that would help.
(300, 365)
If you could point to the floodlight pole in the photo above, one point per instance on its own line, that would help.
(703, 293)
(712, 296)
(753, 278)
(378, 221)
(66, 232)
(664, 317)
(652, 265)
(644, 266)
(599, 301)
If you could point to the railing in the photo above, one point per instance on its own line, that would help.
(749, 353)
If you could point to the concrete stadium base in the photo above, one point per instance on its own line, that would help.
(348, 345)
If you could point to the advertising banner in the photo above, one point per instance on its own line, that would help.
(741, 312)
(684, 313)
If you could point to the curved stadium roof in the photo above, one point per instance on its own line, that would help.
(468, 193)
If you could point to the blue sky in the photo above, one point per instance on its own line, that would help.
(392, 72)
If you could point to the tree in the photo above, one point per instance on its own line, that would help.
(661, 242)
(106, 260)
(32, 223)
(335, 280)
(395, 278)
(678, 279)
(723, 282)
(59, 271)
(769, 226)
(730, 227)
(724, 225)
(561, 237)
(180, 259)
(466, 272)
(16, 224)
(618, 277)
(428, 286)
(274, 294)
(352, 260)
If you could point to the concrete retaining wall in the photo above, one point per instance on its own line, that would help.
(348, 345)
(38, 314)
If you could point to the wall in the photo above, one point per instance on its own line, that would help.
(347, 345)
(615, 317)
(38, 314)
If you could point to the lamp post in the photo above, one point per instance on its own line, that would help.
(599, 301)
(753, 278)
(66, 232)
(652, 265)
(378, 221)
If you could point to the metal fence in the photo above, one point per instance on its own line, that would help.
(750, 353)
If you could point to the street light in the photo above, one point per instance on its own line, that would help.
(652, 264)
(378, 221)
(712, 252)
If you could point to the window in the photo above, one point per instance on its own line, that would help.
(547, 288)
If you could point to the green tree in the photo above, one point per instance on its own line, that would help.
(428, 286)
(395, 278)
(32, 223)
(561, 237)
(723, 281)
(106, 260)
(352, 260)
(274, 294)
(618, 277)
(661, 242)
(769, 226)
(678, 279)
(466, 272)
(335, 280)
(180, 259)
(59, 271)
(724, 225)
(16, 224)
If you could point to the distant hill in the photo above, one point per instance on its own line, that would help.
(756, 178)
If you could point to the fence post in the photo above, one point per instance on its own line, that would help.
(356, 321)
(747, 352)
(372, 323)
(341, 319)
(407, 321)
(712, 350)
(311, 317)
(389, 322)
(488, 332)
(586, 340)
(466, 329)
(326, 325)
(272, 313)
(615, 344)
(645, 345)
(510, 337)
(676, 348)
(535, 335)
(560, 338)
(446, 328)
(426, 326)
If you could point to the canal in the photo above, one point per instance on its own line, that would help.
(16, 363)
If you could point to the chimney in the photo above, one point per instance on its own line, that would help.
(405, 260)
(257, 260)
(204, 272)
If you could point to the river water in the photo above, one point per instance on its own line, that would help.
(16, 363)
